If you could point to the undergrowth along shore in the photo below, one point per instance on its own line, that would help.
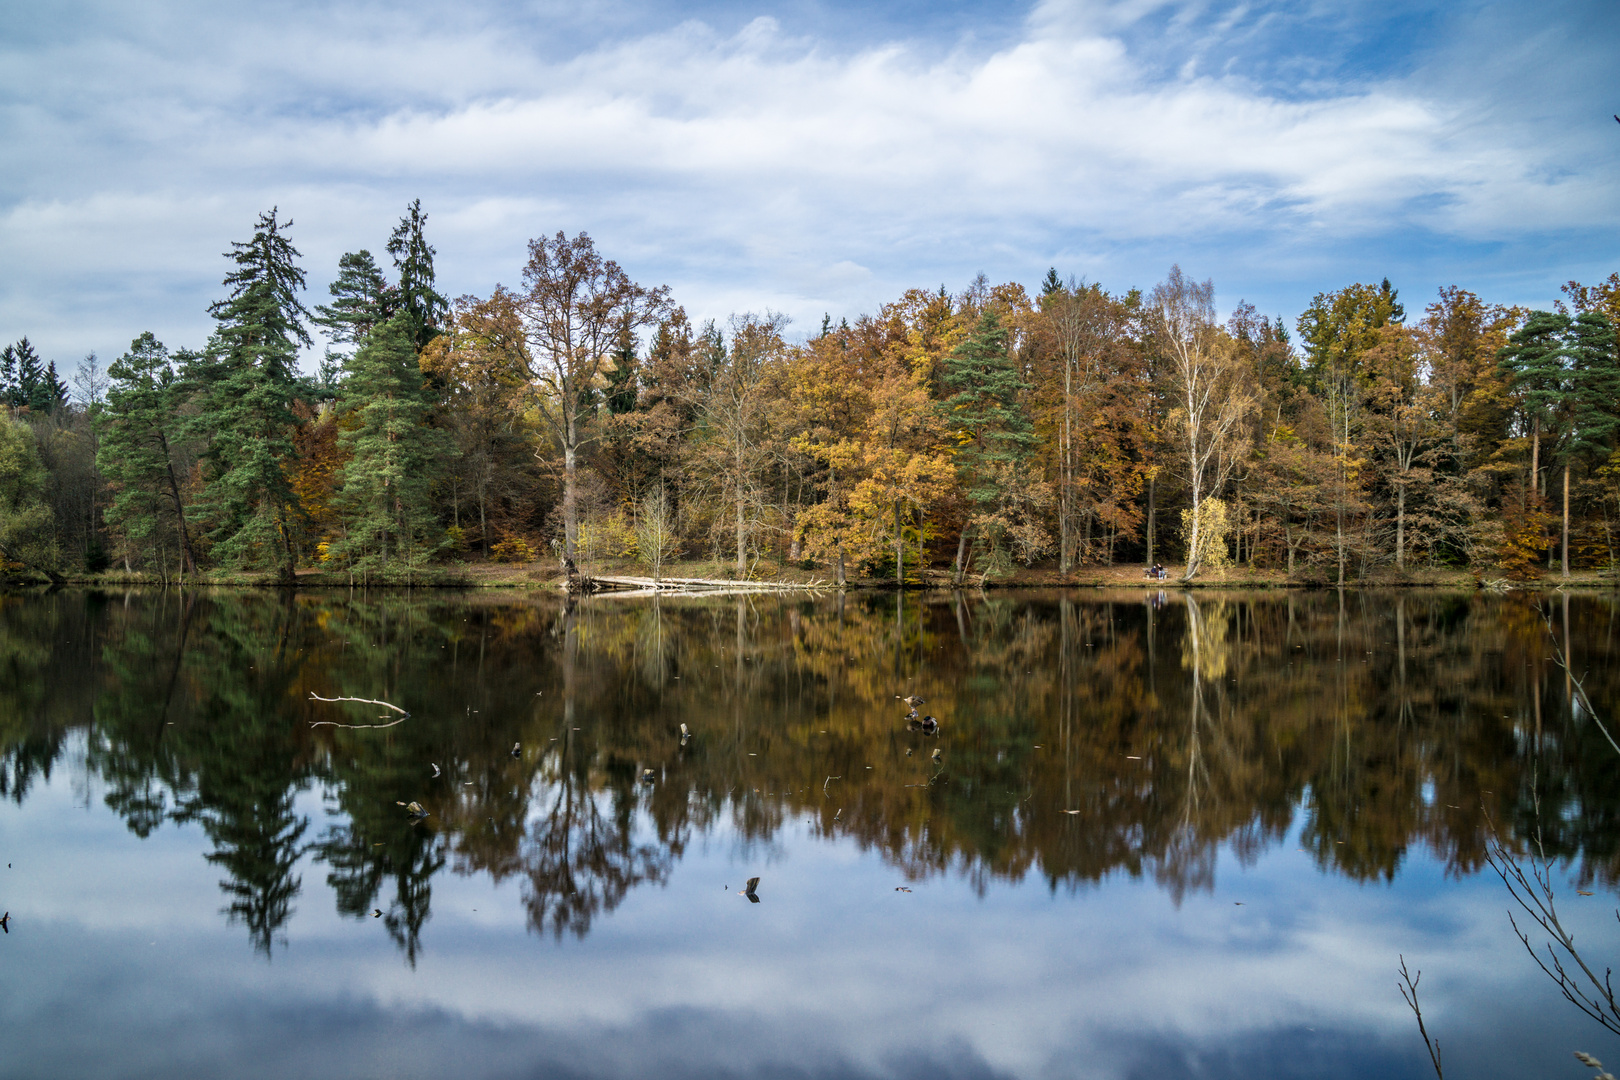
(548, 574)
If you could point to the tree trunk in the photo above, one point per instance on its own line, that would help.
(742, 536)
(841, 580)
(1195, 538)
(1566, 518)
(1535, 455)
(188, 558)
(1152, 483)
(570, 505)
(899, 551)
(961, 550)
(1400, 526)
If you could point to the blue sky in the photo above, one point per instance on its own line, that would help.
(801, 156)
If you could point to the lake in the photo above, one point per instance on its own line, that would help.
(1157, 833)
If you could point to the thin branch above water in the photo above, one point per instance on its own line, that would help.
(403, 715)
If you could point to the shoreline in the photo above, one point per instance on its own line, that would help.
(547, 576)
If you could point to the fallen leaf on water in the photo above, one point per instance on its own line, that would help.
(1071, 811)
(1583, 892)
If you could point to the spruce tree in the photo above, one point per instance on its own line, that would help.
(26, 384)
(246, 386)
(139, 426)
(413, 258)
(362, 300)
(393, 457)
(8, 376)
(48, 393)
(993, 432)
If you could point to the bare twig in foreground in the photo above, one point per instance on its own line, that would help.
(1583, 989)
(403, 715)
(1409, 992)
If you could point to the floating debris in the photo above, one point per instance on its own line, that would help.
(376, 913)
(647, 776)
(901, 888)
(435, 769)
(5, 920)
(517, 749)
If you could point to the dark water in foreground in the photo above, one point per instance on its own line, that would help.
(1166, 835)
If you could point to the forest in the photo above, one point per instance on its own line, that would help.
(579, 418)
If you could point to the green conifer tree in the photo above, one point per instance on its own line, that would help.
(8, 376)
(139, 426)
(362, 300)
(413, 258)
(993, 433)
(27, 384)
(48, 393)
(394, 457)
(246, 385)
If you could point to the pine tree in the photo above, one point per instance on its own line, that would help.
(1595, 385)
(245, 390)
(413, 258)
(1534, 360)
(139, 426)
(362, 300)
(1051, 283)
(394, 456)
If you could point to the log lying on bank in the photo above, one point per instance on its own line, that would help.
(648, 586)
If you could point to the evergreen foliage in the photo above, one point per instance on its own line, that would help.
(394, 457)
(1595, 379)
(413, 258)
(245, 388)
(362, 300)
(140, 426)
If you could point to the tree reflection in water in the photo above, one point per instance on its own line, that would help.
(1383, 720)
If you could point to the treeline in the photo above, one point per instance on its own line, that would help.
(582, 417)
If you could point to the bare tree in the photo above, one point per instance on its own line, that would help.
(656, 539)
(1211, 398)
(733, 408)
(576, 309)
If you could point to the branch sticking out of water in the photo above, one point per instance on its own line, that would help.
(1409, 992)
(403, 715)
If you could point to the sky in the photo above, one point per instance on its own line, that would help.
(805, 156)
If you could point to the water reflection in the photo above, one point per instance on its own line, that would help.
(1083, 735)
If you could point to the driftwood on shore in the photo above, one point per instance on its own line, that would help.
(640, 586)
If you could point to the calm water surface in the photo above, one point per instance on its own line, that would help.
(1164, 834)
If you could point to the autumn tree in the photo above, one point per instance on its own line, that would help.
(27, 535)
(480, 368)
(1211, 395)
(575, 307)
(733, 419)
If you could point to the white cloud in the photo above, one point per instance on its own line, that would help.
(724, 162)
